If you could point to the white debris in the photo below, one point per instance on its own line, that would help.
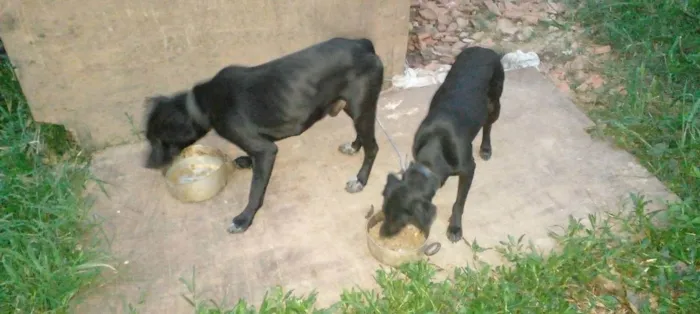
(412, 78)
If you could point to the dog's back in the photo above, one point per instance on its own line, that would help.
(475, 79)
(467, 100)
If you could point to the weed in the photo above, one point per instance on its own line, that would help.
(43, 260)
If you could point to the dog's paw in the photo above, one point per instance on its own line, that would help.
(239, 225)
(485, 153)
(354, 186)
(454, 233)
(347, 149)
(243, 162)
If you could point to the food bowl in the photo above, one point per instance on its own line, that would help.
(395, 257)
(197, 174)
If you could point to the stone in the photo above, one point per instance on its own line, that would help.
(531, 19)
(443, 49)
(578, 64)
(477, 36)
(450, 39)
(444, 19)
(488, 43)
(596, 81)
(452, 27)
(526, 33)
(492, 7)
(428, 14)
(458, 47)
(447, 59)
(564, 87)
(506, 26)
(442, 27)
(462, 23)
(601, 49)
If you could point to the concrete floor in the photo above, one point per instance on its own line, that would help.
(309, 234)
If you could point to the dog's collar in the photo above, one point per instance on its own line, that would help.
(425, 171)
(194, 111)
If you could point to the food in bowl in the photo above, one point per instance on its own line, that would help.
(197, 174)
(409, 238)
(194, 172)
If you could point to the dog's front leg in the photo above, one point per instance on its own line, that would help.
(263, 162)
(454, 230)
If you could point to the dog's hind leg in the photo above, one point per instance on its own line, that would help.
(454, 230)
(494, 110)
(362, 108)
(486, 150)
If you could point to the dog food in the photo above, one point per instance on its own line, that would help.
(193, 173)
(409, 238)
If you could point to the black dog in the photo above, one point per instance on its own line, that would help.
(468, 100)
(253, 107)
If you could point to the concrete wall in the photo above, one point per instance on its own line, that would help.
(88, 64)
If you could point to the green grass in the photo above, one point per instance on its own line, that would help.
(619, 263)
(43, 260)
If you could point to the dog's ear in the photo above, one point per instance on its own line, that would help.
(391, 182)
(424, 211)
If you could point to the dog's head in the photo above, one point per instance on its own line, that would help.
(169, 129)
(407, 200)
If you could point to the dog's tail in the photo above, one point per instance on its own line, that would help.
(367, 44)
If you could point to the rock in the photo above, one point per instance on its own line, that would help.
(477, 36)
(601, 49)
(578, 64)
(555, 8)
(444, 19)
(462, 23)
(511, 11)
(506, 26)
(452, 27)
(580, 76)
(450, 39)
(596, 81)
(552, 28)
(458, 47)
(492, 7)
(447, 59)
(428, 14)
(425, 39)
(443, 49)
(531, 19)
(583, 87)
(488, 43)
(442, 27)
(564, 87)
(526, 33)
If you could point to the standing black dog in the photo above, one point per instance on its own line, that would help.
(468, 100)
(253, 107)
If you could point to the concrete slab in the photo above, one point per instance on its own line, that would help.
(309, 232)
(88, 64)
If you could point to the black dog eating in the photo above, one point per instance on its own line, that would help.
(468, 100)
(253, 107)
